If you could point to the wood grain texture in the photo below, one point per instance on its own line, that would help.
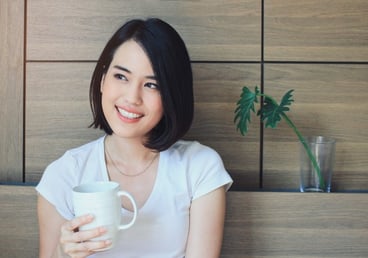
(316, 30)
(57, 108)
(58, 113)
(258, 224)
(298, 225)
(217, 88)
(78, 30)
(330, 100)
(11, 90)
(18, 222)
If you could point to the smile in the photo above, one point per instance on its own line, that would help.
(128, 115)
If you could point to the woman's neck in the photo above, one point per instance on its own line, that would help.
(125, 150)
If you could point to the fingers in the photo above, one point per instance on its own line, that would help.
(84, 249)
(77, 243)
(74, 224)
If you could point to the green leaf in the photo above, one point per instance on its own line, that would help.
(244, 107)
(271, 112)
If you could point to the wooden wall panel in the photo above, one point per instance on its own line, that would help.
(58, 112)
(19, 232)
(316, 30)
(329, 100)
(257, 224)
(297, 225)
(227, 36)
(78, 30)
(11, 90)
(217, 89)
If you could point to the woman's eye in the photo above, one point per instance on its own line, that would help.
(151, 85)
(120, 77)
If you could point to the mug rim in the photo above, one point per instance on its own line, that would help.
(96, 186)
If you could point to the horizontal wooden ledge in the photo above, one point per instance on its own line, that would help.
(280, 192)
(219, 61)
(298, 195)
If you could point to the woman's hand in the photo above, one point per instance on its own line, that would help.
(76, 243)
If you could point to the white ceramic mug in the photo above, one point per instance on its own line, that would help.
(103, 201)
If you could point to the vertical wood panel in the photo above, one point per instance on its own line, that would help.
(78, 30)
(330, 100)
(11, 89)
(217, 88)
(58, 112)
(316, 30)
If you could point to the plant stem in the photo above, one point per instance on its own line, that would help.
(302, 140)
(306, 147)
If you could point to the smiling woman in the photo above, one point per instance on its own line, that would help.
(169, 68)
(141, 95)
(131, 100)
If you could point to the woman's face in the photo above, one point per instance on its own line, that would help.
(131, 101)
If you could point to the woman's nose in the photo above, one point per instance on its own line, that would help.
(133, 94)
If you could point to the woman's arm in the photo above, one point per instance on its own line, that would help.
(207, 215)
(60, 238)
(49, 221)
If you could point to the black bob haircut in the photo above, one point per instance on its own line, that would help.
(170, 62)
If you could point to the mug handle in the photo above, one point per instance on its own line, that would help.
(135, 210)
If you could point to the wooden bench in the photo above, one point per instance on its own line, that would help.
(258, 224)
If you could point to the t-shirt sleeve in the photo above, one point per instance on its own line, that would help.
(207, 172)
(56, 184)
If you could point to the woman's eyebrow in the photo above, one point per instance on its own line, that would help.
(122, 68)
(151, 77)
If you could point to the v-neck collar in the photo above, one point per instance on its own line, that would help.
(156, 186)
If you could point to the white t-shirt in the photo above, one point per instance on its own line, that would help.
(186, 171)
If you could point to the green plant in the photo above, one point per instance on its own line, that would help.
(271, 114)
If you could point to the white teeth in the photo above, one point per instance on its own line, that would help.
(128, 114)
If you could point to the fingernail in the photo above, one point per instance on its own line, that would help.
(89, 217)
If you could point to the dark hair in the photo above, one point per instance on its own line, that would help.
(171, 65)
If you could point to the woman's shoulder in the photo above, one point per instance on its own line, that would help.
(87, 147)
(202, 166)
(77, 163)
(90, 150)
(74, 157)
(186, 148)
(186, 145)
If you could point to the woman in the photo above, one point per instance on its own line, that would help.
(141, 95)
